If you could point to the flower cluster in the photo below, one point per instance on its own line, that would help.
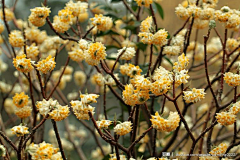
(46, 65)
(194, 96)
(103, 123)
(8, 14)
(22, 109)
(102, 23)
(16, 38)
(38, 16)
(22, 64)
(165, 125)
(232, 79)
(53, 109)
(220, 149)
(83, 107)
(181, 64)
(44, 151)
(123, 128)
(130, 70)
(128, 53)
(20, 130)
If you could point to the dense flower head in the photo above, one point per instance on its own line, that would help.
(235, 108)
(81, 110)
(130, 70)
(76, 54)
(16, 38)
(23, 112)
(46, 65)
(20, 130)
(220, 149)
(146, 25)
(232, 44)
(226, 118)
(98, 79)
(145, 3)
(32, 51)
(95, 53)
(232, 79)
(53, 108)
(128, 53)
(160, 87)
(146, 37)
(128, 95)
(38, 16)
(77, 8)
(102, 23)
(8, 13)
(60, 25)
(162, 74)
(89, 98)
(20, 100)
(223, 14)
(22, 64)
(181, 64)
(181, 12)
(43, 151)
(65, 16)
(181, 77)
(123, 128)
(171, 50)
(103, 123)
(160, 37)
(140, 82)
(165, 125)
(194, 96)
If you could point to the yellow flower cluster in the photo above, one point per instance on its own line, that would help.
(128, 54)
(103, 123)
(53, 108)
(194, 96)
(123, 128)
(32, 51)
(44, 151)
(16, 38)
(81, 108)
(35, 35)
(232, 44)
(77, 8)
(38, 16)
(20, 130)
(95, 53)
(181, 64)
(171, 50)
(23, 112)
(232, 79)
(20, 100)
(165, 125)
(114, 157)
(145, 3)
(159, 38)
(62, 22)
(181, 77)
(102, 23)
(147, 25)
(226, 118)
(8, 13)
(235, 108)
(163, 80)
(22, 64)
(46, 65)
(220, 149)
(130, 70)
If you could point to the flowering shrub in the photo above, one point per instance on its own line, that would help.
(140, 91)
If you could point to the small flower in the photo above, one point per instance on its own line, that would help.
(20, 100)
(16, 38)
(160, 37)
(98, 79)
(133, 70)
(103, 123)
(128, 54)
(165, 125)
(38, 16)
(232, 79)
(181, 64)
(181, 12)
(89, 98)
(22, 64)
(45, 106)
(59, 113)
(145, 3)
(140, 82)
(171, 50)
(65, 16)
(23, 112)
(160, 87)
(76, 54)
(233, 21)
(129, 97)
(8, 13)
(123, 128)
(226, 118)
(220, 149)
(83, 44)
(95, 53)
(146, 25)
(46, 65)
(59, 25)
(102, 23)
(77, 8)
(81, 110)
(42, 151)
(194, 96)
(181, 77)
(235, 108)
(20, 130)
(146, 38)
